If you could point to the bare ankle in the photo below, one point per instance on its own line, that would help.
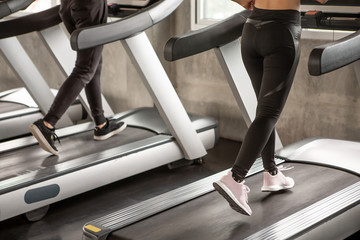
(101, 125)
(48, 125)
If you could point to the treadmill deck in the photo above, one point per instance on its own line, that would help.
(210, 217)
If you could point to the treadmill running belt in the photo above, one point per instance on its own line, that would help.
(32, 163)
(210, 217)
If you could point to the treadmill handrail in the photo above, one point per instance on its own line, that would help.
(33, 22)
(334, 55)
(10, 6)
(123, 28)
(204, 39)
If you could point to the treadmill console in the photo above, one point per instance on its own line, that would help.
(124, 8)
(333, 2)
(334, 6)
(333, 21)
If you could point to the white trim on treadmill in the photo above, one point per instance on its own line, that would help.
(328, 152)
(166, 100)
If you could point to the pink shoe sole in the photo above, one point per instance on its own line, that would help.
(233, 202)
(275, 188)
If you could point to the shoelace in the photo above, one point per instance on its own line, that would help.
(55, 137)
(104, 127)
(246, 190)
(283, 168)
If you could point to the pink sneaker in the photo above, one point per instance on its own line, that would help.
(235, 193)
(277, 182)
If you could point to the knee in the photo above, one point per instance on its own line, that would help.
(268, 112)
(83, 73)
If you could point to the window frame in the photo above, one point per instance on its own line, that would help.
(30, 8)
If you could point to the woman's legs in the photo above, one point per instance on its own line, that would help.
(270, 50)
(86, 73)
(270, 55)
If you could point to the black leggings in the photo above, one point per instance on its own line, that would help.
(86, 73)
(270, 51)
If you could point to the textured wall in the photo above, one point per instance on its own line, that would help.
(317, 106)
(41, 58)
(8, 80)
(327, 106)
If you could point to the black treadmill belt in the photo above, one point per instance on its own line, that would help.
(27, 163)
(210, 217)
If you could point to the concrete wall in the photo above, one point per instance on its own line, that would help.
(326, 106)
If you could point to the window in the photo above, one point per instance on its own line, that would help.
(207, 12)
(41, 5)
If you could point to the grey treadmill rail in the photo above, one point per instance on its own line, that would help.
(31, 23)
(334, 55)
(210, 37)
(300, 221)
(123, 28)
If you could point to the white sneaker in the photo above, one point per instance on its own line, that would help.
(277, 182)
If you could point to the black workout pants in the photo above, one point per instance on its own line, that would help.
(86, 73)
(270, 51)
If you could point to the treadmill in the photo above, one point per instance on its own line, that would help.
(22, 106)
(8, 7)
(323, 205)
(30, 179)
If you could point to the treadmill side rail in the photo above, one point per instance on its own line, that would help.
(116, 162)
(296, 224)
